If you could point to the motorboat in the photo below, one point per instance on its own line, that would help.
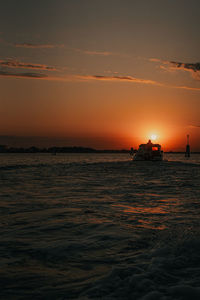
(149, 151)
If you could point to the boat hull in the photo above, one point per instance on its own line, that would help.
(147, 159)
(149, 152)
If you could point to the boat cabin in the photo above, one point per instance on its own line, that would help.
(149, 151)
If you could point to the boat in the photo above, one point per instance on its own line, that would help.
(149, 151)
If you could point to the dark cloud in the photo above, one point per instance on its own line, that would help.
(22, 75)
(17, 64)
(194, 126)
(193, 68)
(31, 45)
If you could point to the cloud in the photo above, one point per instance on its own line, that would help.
(119, 78)
(81, 78)
(129, 79)
(37, 46)
(103, 53)
(186, 88)
(22, 75)
(194, 126)
(194, 68)
(85, 78)
(155, 60)
(17, 64)
(90, 52)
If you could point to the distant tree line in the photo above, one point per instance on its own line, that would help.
(54, 150)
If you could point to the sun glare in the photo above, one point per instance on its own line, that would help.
(153, 137)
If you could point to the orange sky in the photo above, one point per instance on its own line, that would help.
(103, 75)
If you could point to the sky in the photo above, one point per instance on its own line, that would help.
(105, 74)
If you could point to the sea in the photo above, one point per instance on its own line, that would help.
(99, 226)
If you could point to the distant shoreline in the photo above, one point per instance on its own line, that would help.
(55, 150)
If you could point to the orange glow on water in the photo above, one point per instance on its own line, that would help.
(147, 215)
(142, 209)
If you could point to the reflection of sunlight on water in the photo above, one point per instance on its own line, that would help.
(149, 225)
(76, 218)
(142, 209)
(163, 209)
(150, 217)
(147, 194)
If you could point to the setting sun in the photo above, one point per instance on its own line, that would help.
(153, 137)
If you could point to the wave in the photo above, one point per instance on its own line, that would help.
(170, 271)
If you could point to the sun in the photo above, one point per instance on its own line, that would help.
(153, 137)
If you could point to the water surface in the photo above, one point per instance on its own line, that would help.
(99, 226)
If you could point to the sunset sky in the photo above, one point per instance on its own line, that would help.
(102, 74)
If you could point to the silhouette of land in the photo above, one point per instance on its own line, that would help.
(74, 149)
